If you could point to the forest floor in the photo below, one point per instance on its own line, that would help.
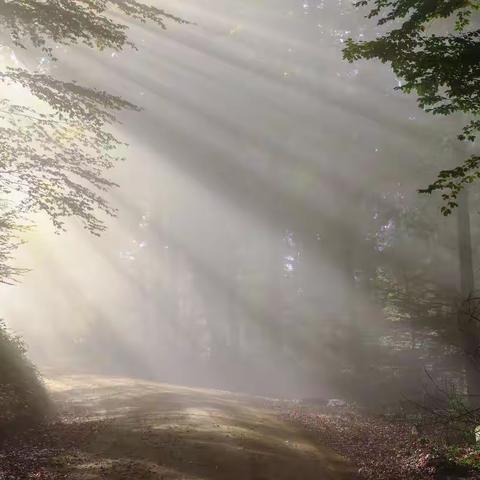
(111, 428)
(114, 428)
(386, 448)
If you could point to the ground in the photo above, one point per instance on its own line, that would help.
(398, 445)
(117, 428)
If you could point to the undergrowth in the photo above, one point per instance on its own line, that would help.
(23, 398)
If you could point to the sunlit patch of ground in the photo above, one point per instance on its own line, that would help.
(146, 430)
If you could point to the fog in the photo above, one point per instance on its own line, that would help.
(267, 210)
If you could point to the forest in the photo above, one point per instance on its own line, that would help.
(239, 239)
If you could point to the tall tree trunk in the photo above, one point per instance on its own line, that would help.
(468, 326)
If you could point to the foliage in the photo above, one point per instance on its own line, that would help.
(22, 395)
(443, 69)
(452, 182)
(93, 23)
(53, 160)
(10, 227)
(468, 458)
(52, 163)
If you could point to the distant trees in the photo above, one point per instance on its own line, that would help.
(54, 154)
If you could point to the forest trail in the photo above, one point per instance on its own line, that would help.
(150, 431)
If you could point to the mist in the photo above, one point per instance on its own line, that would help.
(269, 238)
(266, 190)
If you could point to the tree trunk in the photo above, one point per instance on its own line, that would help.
(468, 326)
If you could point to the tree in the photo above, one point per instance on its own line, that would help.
(433, 47)
(443, 69)
(53, 158)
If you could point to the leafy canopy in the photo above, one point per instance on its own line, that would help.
(66, 22)
(54, 159)
(433, 46)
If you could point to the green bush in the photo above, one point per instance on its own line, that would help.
(23, 398)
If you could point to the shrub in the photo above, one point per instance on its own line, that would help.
(23, 398)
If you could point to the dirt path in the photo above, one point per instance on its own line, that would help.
(162, 432)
